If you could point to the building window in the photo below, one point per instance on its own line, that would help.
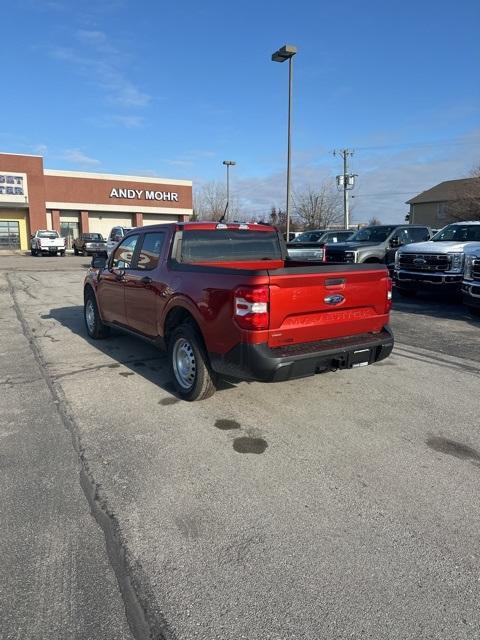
(442, 210)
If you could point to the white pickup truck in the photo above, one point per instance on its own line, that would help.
(47, 242)
(438, 263)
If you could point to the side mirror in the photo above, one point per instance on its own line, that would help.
(99, 261)
(395, 242)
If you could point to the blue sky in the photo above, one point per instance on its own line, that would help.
(173, 88)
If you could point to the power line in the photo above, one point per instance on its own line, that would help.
(432, 143)
(386, 193)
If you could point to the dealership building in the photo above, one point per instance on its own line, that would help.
(74, 202)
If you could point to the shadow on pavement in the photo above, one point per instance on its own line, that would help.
(136, 354)
(436, 305)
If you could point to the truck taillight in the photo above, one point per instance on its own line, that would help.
(250, 306)
(389, 294)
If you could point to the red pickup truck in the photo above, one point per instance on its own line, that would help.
(225, 300)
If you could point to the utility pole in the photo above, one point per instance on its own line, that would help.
(345, 182)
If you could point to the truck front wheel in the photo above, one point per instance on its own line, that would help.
(192, 376)
(95, 327)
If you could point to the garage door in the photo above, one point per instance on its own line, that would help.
(103, 222)
(9, 234)
(151, 218)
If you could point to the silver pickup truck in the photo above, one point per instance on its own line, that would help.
(309, 244)
(471, 279)
(438, 263)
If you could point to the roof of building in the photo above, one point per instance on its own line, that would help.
(447, 191)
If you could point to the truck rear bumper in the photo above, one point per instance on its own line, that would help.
(259, 362)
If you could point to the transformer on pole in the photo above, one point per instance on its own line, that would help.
(345, 183)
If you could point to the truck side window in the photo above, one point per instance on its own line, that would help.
(402, 236)
(123, 256)
(150, 251)
(418, 235)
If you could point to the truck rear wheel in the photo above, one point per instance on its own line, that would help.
(192, 376)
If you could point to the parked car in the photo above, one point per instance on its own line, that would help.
(320, 236)
(224, 300)
(47, 242)
(377, 244)
(438, 263)
(309, 245)
(116, 235)
(471, 279)
(89, 243)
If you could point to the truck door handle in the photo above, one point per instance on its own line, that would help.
(146, 280)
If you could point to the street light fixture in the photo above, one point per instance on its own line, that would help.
(286, 53)
(228, 164)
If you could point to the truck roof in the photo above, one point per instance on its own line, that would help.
(464, 222)
(208, 225)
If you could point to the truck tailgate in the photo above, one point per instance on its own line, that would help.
(311, 304)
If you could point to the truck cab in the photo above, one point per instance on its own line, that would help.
(116, 235)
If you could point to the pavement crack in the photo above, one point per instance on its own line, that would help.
(142, 613)
(97, 367)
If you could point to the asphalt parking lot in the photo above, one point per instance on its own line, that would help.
(339, 506)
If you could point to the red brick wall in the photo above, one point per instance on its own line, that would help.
(83, 221)
(33, 167)
(97, 191)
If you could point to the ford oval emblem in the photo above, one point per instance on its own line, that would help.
(335, 299)
(419, 261)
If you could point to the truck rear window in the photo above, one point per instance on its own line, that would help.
(224, 245)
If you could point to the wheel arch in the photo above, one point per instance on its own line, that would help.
(175, 316)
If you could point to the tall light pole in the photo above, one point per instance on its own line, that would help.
(286, 53)
(228, 164)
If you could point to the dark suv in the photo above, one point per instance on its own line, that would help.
(378, 243)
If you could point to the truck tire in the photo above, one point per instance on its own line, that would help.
(192, 376)
(475, 311)
(95, 327)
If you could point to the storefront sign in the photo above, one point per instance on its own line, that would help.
(13, 187)
(144, 194)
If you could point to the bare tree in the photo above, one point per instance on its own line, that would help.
(374, 222)
(318, 208)
(475, 172)
(278, 218)
(467, 205)
(210, 200)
